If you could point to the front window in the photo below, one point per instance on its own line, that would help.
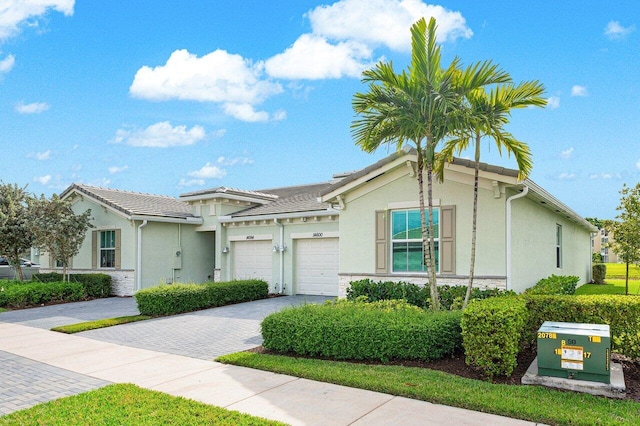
(406, 241)
(107, 249)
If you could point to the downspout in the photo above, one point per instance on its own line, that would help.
(139, 260)
(524, 192)
(281, 250)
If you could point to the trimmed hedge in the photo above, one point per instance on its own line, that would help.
(359, 330)
(96, 285)
(451, 297)
(178, 298)
(491, 333)
(483, 320)
(555, 284)
(599, 273)
(22, 295)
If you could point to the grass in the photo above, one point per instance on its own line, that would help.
(102, 323)
(126, 404)
(611, 287)
(3, 310)
(532, 403)
(618, 271)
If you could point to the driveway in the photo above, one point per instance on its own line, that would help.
(204, 334)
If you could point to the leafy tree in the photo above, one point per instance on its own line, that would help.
(626, 230)
(418, 106)
(484, 116)
(598, 223)
(58, 229)
(15, 231)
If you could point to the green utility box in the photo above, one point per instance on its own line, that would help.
(575, 351)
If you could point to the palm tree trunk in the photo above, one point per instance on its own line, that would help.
(426, 246)
(474, 225)
(430, 243)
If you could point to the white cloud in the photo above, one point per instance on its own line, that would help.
(116, 169)
(7, 64)
(615, 31)
(32, 108)
(279, 115)
(566, 176)
(605, 176)
(218, 133)
(384, 22)
(578, 91)
(43, 179)
(208, 172)
(13, 13)
(566, 154)
(234, 161)
(216, 77)
(312, 57)
(160, 135)
(245, 112)
(638, 164)
(553, 102)
(191, 182)
(40, 156)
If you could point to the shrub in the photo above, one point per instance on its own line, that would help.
(599, 273)
(489, 344)
(555, 284)
(179, 298)
(32, 294)
(492, 332)
(381, 330)
(451, 297)
(96, 285)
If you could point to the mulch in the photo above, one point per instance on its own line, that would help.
(456, 365)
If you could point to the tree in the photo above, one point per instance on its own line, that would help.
(484, 116)
(419, 106)
(626, 230)
(15, 230)
(58, 229)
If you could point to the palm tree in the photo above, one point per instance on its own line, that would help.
(418, 106)
(485, 115)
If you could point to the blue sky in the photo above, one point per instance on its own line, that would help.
(168, 97)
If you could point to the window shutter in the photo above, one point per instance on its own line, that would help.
(448, 240)
(382, 244)
(117, 260)
(94, 249)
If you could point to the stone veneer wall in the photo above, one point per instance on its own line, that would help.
(479, 282)
(122, 280)
(217, 275)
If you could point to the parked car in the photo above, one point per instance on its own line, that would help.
(9, 272)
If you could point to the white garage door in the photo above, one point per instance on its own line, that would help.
(252, 259)
(317, 266)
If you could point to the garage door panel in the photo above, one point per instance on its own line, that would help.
(317, 266)
(252, 260)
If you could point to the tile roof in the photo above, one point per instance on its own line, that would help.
(291, 199)
(231, 191)
(375, 166)
(134, 203)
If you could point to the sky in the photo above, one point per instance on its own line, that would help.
(169, 97)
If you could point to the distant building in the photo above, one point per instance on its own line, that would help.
(601, 243)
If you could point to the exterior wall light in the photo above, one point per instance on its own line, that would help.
(225, 250)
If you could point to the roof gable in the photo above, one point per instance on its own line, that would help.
(132, 204)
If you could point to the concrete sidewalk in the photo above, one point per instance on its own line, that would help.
(275, 396)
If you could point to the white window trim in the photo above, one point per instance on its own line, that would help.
(392, 240)
(101, 249)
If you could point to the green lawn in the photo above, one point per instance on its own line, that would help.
(618, 271)
(3, 310)
(92, 325)
(533, 403)
(128, 405)
(611, 287)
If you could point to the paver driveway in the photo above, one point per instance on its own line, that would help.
(202, 334)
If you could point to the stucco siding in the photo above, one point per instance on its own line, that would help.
(534, 245)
